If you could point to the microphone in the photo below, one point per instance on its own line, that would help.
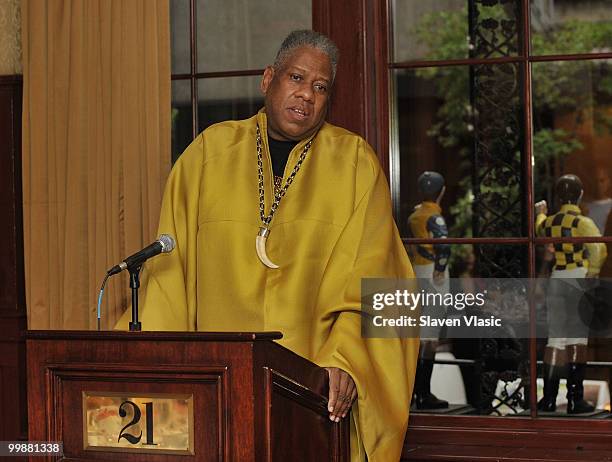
(163, 244)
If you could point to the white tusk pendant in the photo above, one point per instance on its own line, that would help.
(260, 247)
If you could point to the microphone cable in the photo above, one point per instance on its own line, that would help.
(100, 298)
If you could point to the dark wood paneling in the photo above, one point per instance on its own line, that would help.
(13, 423)
(302, 397)
(12, 294)
(359, 100)
(452, 438)
(343, 23)
(13, 415)
(289, 402)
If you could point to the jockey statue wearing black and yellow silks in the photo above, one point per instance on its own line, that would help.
(571, 261)
(430, 263)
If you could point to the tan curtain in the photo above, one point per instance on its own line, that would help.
(96, 149)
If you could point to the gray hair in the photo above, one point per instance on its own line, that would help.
(310, 38)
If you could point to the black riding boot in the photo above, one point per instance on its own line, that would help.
(551, 375)
(575, 390)
(423, 397)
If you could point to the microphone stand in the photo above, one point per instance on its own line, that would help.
(135, 325)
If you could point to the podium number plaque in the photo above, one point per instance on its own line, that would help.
(152, 423)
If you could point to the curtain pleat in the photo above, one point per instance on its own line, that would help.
(96, 149)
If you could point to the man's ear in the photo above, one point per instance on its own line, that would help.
(266, 79)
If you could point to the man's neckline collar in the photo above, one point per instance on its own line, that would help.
(261, 118)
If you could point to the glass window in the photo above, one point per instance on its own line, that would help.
(464, 118)
(571, 27)
(572, 128)
(454, 29)
(241, 34)
(179, 36)
(182, 116)
(228, 98)
(234, 40)
(466, 124)
(574, 313)
(475, 376)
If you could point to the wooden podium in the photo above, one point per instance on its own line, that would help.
(179, 396)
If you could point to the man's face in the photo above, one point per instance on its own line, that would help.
(297, 94)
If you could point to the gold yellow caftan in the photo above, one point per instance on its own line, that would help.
(333, 227)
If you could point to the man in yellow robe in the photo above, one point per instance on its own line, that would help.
(332, 227)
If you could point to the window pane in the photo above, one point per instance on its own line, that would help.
(465, 123)
(562, 27)
(573, 134)
(455, 29)
(179, 36)
(241, 34)
(481, 260)
(182, 125)
(484, 376)
(228, 98)
(576, 314)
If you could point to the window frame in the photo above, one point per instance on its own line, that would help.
(430, 436)
(193, 76)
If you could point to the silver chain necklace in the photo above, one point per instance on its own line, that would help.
(264, 230)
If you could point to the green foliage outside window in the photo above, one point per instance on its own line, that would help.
(577, 88)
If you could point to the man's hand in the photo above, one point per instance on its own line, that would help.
(342, 393)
